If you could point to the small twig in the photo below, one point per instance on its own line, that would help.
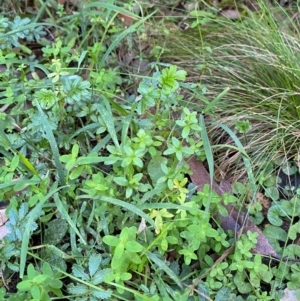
(3, 280)
(198, 292)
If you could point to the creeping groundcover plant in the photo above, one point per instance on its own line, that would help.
(101, 203)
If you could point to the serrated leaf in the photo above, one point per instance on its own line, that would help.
(78, 271)
(204, 290)
(79, 289)
(94, 263)
(100, 276)
(23, 211)
(101, 295)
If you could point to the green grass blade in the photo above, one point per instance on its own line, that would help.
(26, 182)
(66, 216)
(104, 141)
(27, 164)
(123, 204)
(4, 141)
(53, 145)
(126, 124)
(166, 206)
(246, 159)
(26, 236)
(209, 156)
(161, 265)
(213, 103)
(108, 119)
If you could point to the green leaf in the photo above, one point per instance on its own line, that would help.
(46, 268)
(125, 276)
(36, 292)
(125, 205)
(119, 251)
(53, 144)
(274, 215)
(111, 240)
(56, 284)
(94, 263)
(56, 230)
(28, 165)
(272, 193)
(294, 230)
(154, 168)
(133, 246)
(121, 181)
(76, 172)
(39, 279)
(108, 119)
(223, 294)
(24, 285)
(78, 271)
(162, 265)
(79, 289)
(32, 216)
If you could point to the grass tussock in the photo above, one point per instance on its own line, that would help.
(258, 58)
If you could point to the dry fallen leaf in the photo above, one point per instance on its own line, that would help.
(3, 217)
(3, 220)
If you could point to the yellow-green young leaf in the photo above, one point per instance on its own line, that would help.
(40, 279)
(133, 246)
(164, 244)
(119, 251)
(14, 162)
(24, 285)
(28, 165)
(35, 292)
(75, 150)
(111, 240)
(125, 276)
(158, 222)
(76, 172)
(135, 258)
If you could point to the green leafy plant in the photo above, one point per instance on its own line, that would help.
(40, 285)
(89, 288)
(95, 166)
